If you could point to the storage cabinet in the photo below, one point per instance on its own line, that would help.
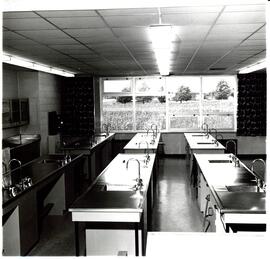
(15, 112)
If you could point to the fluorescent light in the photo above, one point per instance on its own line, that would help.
(254, 67)
(162, 37)
(22, 62)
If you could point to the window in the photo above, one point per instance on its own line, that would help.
(150, 103)
(117, 107)
(184, 95)
(218, 101)
(173, 103)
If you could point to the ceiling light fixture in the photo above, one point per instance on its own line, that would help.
(18, 61)
(162, 36)
(254, 67)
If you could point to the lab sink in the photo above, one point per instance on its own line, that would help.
(198, 135)
(219, 161)
(47, 161)
(119, 187)
(242, 188)
(113, 187)
(205, 143)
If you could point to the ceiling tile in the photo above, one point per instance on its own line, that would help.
(7, 15)
(189, 19)
(77, 51)
(131, 11)
(27, 24)
(258, 36)
(41, 35)
(245, 8)
(131, 20)
(9, 35)
(59, 41)
(195, 32)
(241, 17)
(228, 36)
(100, 33)
(78, 22)
(132, 34)
(68, 46)
(191, 9)
(236, 28)
(68, 13)
(250, 42)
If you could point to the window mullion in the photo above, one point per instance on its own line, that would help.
(134, 103)
(201, 105)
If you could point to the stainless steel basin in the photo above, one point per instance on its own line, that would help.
(47, 161)
(112, 187)
(219, 161)
(198, 135)
(242, 188)
(116, 187)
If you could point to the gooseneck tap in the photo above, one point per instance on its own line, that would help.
(139, 182)
(206, 130)
(14, 160)
(106, 127)
(146, 151)
(260, 183)
(155, 128)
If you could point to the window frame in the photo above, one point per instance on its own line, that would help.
(134, 94)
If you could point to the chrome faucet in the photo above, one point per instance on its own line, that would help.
(155, 125)
(260, 183)
(231, 141)
(139, 182)
(207, 131)
(106, 128)
(146, 151)
(14, 160)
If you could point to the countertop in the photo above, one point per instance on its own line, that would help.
(222, 175)
(20, 140)
(86, 144)
(112, 190)
(38, 171)
(142, 138)
(200, 141)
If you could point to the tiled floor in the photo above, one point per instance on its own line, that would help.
(175, 210)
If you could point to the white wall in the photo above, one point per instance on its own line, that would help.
(43, 92)
(49, 100)
(10, 90)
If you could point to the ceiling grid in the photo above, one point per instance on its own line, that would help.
(115, 42)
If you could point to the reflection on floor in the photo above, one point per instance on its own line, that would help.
(175, 210)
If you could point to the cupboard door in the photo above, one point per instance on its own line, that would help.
(15, 110)
(6, 112)
(24, 108)
(28, 218)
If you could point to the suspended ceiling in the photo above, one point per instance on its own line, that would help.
(217, 39)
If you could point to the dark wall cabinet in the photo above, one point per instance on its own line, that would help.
(15, 112)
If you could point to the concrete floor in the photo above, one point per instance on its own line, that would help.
(175, 210)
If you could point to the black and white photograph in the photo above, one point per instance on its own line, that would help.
(135, 128)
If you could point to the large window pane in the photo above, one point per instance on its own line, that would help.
(150, 110)
(218, 101)
(117, 86)
(184, 102)
(118, 111)
(150, 86)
